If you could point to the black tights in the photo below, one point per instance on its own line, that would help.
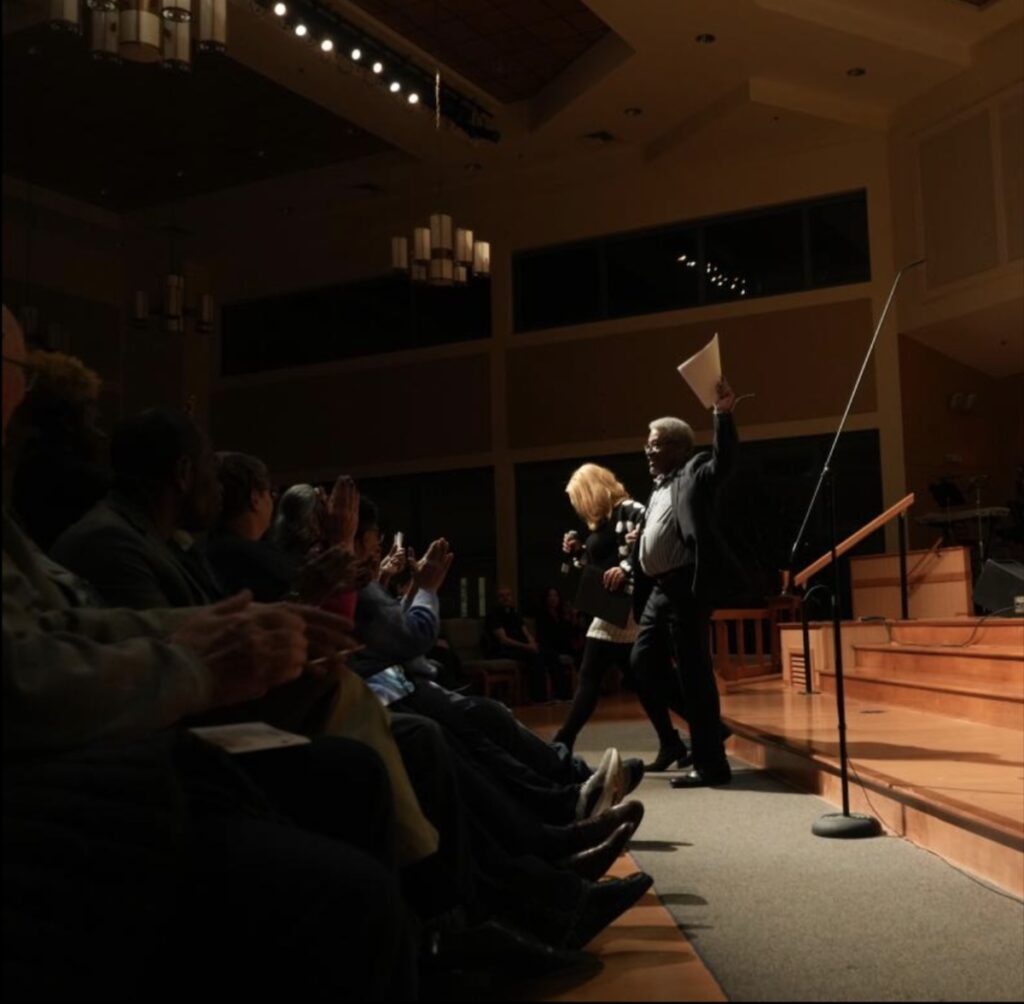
(598, 657)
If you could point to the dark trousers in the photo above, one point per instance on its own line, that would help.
(165, 849)
(598, 657)
(675, 624)
(541, 776)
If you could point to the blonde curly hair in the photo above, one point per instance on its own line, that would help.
(594, 492)
(65, 377)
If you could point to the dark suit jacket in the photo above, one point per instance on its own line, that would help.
(114, 547)
(694, 488)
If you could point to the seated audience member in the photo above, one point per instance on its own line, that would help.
(235, 547)
(113, 835)
(558, 629)
(135, 546)
(60, 472)
(507, 637)
(396, 636)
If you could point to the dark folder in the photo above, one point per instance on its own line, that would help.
(592, 598)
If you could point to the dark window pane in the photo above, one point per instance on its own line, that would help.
(558, 287)
(652, 272)
(354, 319)
(839, 241)
(457, 505)
(754, 256)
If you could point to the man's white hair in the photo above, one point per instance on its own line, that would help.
(673, 430)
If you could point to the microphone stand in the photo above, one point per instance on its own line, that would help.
(842, 824)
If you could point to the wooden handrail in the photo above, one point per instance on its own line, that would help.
(854, 539)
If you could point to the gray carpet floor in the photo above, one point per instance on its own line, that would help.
(778, 914)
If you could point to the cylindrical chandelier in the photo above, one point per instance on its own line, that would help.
(213, 25)
(139, 31)
(177, 47)
(65, 15)
(103, 34)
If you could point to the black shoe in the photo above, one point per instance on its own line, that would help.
(594, 832)
(593, 863)
(703, 778)
(667, 755)
(495, 945)
(633, 768)
(604, 902)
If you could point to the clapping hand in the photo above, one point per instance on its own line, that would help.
(430, 571)
(342, 512)
(394, 562)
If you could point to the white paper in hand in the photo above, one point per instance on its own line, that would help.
(703, 371)
(248, 737)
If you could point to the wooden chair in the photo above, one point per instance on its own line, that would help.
(492, 676)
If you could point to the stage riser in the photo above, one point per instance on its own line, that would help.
(1004, 712)
(1003, 673)
(970, 844)
(1005, 633)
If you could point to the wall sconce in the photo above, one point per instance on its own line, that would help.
(962, 401)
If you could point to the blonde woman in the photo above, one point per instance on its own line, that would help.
(602, 502)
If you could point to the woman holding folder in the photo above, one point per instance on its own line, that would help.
(604, 505)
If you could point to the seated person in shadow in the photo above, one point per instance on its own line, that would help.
(506, 636)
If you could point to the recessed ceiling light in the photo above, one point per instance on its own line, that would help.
(395, 87)
(280, 9)
(327, 45)
(633, 111)
(301, 30)
(356, 54)
(378, 67)
(705, 38)
(414, 98)
(856, 71)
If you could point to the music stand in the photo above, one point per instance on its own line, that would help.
(947, 496)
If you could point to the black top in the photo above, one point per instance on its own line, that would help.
(555, 633)
(507, 620)
(250, 564)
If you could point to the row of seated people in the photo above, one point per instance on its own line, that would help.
(418, 830)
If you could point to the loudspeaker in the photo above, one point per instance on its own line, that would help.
(998, 585)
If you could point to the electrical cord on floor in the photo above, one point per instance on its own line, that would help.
(977, 881)
(952, 644)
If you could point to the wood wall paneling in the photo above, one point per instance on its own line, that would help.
(800, 364)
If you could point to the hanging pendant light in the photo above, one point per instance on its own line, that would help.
(400, 254)
(103, 35)
(65, 16)
(140, 308)
(482, 258)
(174, 301)
(213, 25)
(139, 31)
(177, 47)
(205, 319)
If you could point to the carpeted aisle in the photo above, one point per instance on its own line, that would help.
(779, 914)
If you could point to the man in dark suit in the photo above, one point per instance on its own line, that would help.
(680, 562)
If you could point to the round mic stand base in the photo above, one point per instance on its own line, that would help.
(846, 827)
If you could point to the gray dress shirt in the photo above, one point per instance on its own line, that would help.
(661, 545)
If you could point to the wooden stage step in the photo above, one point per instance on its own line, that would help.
(952, 786)
(969, 667)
